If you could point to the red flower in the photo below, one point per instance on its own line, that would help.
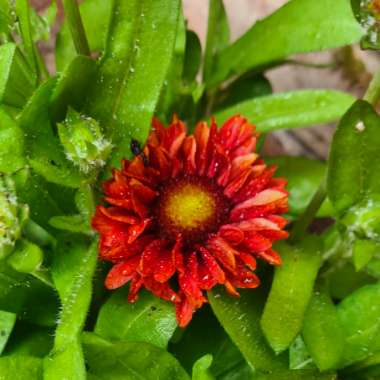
(191, 212)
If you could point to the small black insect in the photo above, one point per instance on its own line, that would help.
(137, 151)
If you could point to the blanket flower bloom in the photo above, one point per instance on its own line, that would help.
(191, 212)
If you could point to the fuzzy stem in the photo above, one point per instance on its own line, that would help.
(76, 27)
(372, 94)
(301, 225)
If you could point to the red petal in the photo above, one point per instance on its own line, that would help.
(241, 164)
(160, 161)
(270, 256)
(223, 252)
(113, 236)
(244, 278)
(248, 260)
(188, 282)
(121, 273)
(136, 169)
(161, 290)
(118, 214)
(231, 289)
(256, 183)
(235, 132)
(157, 261)
(157, 133)
(174, 137)
(124, 203)
(178, 256)
(258, 224)
(142, 192)
(235, 185)
(275, 235)
(279, 220)
(209, 267)
(201, 134)
(232, 234)
(184, 312)
(256, 242)
(117, 187)
(137, 229)
(189, 151)
(134, 288)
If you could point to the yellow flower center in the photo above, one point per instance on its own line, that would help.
(189, 206)
(192, 207)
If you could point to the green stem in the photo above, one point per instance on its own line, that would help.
(76, 27)
(302, 224)
(372, 94)
(35, 233)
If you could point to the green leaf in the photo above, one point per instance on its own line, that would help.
(129, 81)
(291, 292)
(352, 176)
(193, 56)
(322, 332)
(201, 369)
(30, 340)
(206, 336)
(363, 251)
(72, 223)
(299, 357)
(171, 97)
(218, 35)
(7, 322)
(17, 81)
(12, 147)
(129, 361)
(43, 147)
(26, 257)
(5, 17)
(240, 317)
(343, 279)
(149, 320)
(20, 367)
(32, 190)
(359, 315)
(290, 110)
(300, 26)
(95, 16)
(373, 267)
(245, 87)
(299, 374)
(304, 176)
(72, 86)
(22, 294)
(73, 269)
(23, 12)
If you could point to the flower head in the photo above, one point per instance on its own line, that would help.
(191, 212)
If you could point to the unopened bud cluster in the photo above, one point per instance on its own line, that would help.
(84, 142)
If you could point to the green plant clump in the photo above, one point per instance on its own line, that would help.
(118, 64)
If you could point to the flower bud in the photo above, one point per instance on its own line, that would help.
(12, 216)
(83, 141)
